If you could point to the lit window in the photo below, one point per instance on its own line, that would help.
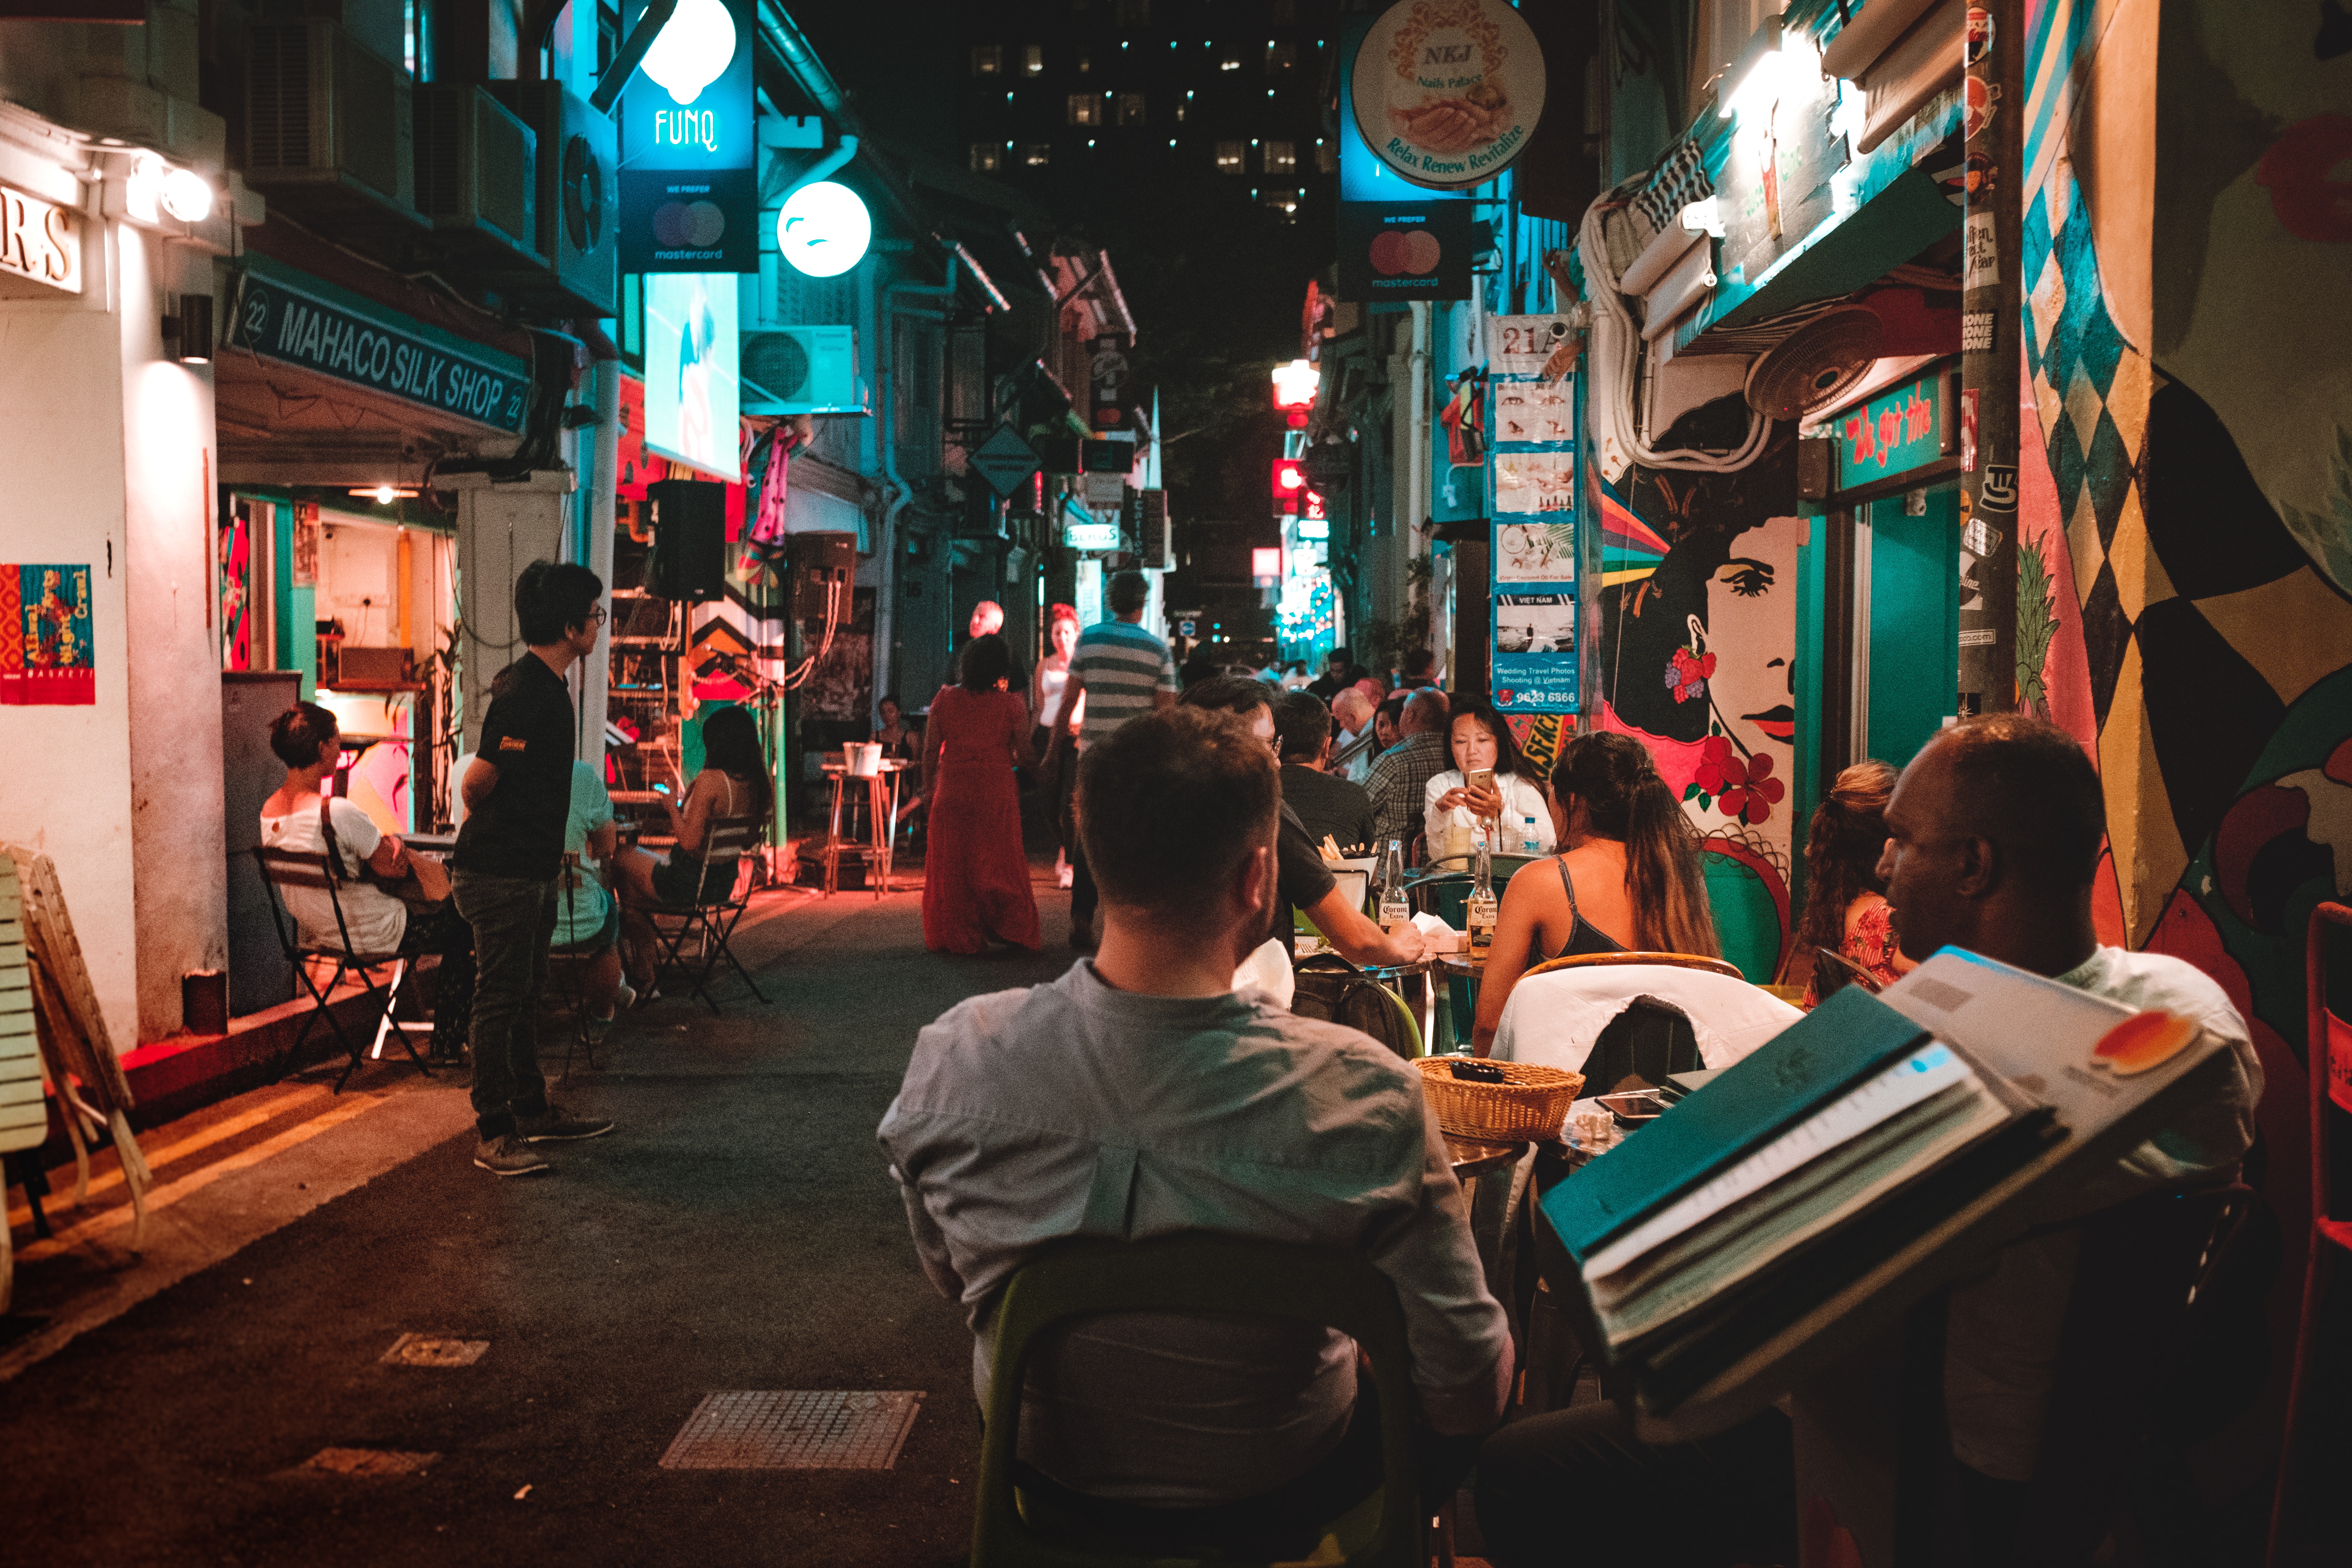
(1172, 140)
(1279, 57)
(1086, 61)
(1180, 113)
(1281, 157)
(1085, 109)
(1130, 109)
(1008, 98)
(1269, 92)
(1038, 155)
(1231, 62)
(984, 157)
(1229, 157)
(987, 60)
(1033, 59)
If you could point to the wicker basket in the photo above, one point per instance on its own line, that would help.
(1530, 1103)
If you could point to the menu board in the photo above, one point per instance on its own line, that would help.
(1535, 521)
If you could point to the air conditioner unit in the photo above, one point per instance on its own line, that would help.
(577, 205)
(476, 174)
(327, 126)
(800, 370)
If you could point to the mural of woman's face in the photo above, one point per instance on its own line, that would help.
(1474, 745)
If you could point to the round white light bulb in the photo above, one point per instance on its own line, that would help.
(692, 50)
(823, 229)
(186, 196)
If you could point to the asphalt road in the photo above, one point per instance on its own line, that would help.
(738, 1231)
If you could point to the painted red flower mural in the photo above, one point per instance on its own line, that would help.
(1687, 672)
(1743, 787)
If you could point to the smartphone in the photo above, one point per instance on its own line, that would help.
(1641, 1106)
(1481, 779)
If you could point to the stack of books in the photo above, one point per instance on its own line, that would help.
(1867, 1154)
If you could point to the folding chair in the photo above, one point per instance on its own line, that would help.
(710, 919)
(283, 869)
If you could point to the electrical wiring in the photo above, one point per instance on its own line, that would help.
(1616, 350)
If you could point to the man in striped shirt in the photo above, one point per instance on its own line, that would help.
(1123, 672)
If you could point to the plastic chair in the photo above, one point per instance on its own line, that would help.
(710, 919)
(1194, 1273)
(2327, 1047)
(283, 869)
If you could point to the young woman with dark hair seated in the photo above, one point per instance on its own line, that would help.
(733, 782)
(1846, 911)
(1629, 879)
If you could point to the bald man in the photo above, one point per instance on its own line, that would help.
(1352, 750)
(987, 618)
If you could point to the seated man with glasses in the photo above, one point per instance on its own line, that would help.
(1141, 1095)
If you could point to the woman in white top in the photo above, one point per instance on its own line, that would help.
(1455, 811)
(1047, 689)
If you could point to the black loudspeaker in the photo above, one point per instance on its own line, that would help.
(689, 522)
(823, 560)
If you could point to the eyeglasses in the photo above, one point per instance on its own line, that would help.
(597, 615)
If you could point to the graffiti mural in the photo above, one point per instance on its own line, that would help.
(1696, 660)
(2188, 502)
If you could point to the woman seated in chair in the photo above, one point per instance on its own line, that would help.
(1629, 879)
(1846, 911)
(733, 782)
(1455, 811)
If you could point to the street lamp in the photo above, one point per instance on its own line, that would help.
(1295, 384)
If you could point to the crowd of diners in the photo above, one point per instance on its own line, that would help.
(1144, 1094)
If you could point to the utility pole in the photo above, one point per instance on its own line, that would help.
(1991, 344)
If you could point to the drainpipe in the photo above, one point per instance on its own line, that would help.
(822, 166)
(1416, 508)
(886, 615)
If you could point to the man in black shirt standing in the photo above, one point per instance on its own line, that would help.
(518, 793)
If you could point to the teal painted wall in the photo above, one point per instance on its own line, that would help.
(1915, 616)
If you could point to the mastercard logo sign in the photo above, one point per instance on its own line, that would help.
(1405, 252)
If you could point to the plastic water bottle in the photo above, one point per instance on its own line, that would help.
(1396, 909)
(1483, 905)
(1527, 835)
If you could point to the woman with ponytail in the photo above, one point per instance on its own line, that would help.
(1627, 878)
(1846, 911)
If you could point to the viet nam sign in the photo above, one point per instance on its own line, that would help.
(295, 319)
(1448, 91)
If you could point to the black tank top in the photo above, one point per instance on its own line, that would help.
(1583, 937)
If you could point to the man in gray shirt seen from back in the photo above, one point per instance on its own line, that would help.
(1141, 1095)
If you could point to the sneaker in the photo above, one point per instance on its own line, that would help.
(508, 1155)
(597, 1028)
(625, 998)
(557, 1125)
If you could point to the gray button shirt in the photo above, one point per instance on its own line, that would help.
(1075, 1108)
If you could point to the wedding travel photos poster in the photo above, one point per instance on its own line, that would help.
(1535, 523)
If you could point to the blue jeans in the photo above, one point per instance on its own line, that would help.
(513, 919)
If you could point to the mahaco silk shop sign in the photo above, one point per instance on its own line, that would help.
(284, 315)
(1448, 91)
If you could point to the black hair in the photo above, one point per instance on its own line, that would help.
(730, 742)
(1301, 725)
(1170, 802)
(1130, 590)
(297, 734)
(986, 660)
(1240, 695)
(1625, 798)
(1507, 750)
(2029, 786)
(1843, 847)
(552, 597)
(892, 699)
(1418, 663)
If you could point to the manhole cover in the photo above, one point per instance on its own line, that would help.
(434, 1350)
(795, 1430)
(368, 1462)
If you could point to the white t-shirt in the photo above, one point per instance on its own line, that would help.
(375, 918)
(1521, 798)
(2001, 1338)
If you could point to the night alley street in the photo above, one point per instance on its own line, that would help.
(737, 1232)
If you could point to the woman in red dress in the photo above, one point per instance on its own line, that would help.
(975, 872)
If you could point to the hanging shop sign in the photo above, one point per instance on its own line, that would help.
(295, 319)
(1532, 479)
(1447, 92)
(39, 241)
(689, 187)
(1392, 253)
(1080, 530)
(1905, 428)
(694, 389)
(1004, 460)
(46, 653)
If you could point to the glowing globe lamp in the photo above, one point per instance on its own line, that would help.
(692, 50)
(823, 229)
(186, 196)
